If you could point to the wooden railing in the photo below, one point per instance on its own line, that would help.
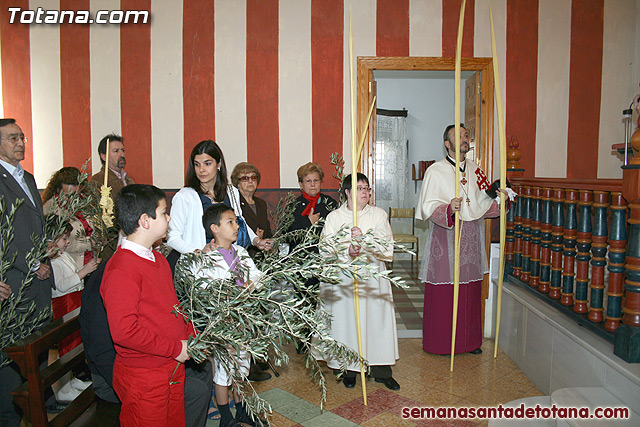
(564, 235)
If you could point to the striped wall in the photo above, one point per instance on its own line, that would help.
(268, 79)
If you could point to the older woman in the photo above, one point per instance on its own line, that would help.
(205, 184)
(312, 204)
(246, 177)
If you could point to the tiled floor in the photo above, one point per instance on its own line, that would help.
(425, 380)
(408, 301)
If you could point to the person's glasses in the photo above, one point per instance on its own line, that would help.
(367, 189)
(311, 181)
(15, 138)
(247, 178)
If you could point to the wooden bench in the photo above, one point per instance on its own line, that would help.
(30, 396)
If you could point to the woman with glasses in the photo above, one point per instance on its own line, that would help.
(246, 178)
(377, 312)
(205, 184)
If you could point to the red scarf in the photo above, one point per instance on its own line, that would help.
(313, 201)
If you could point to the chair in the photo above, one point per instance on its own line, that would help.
(405, 238)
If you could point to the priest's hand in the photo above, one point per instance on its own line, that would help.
(455, 204)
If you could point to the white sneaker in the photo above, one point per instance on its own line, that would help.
(79, 384)
(67, 393)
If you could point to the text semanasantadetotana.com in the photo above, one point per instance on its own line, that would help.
(519, 412)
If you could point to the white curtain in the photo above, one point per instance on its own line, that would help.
(391, 162)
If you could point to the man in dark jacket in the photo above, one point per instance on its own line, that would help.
(15, 184)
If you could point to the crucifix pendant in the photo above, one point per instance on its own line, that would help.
(463, 181)
(468, 201)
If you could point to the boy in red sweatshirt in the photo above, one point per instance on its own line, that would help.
(139, 297)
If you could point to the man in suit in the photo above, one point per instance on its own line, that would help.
(16, 183)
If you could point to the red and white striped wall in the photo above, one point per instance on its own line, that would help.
(269, 79)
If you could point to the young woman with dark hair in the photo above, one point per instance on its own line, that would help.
(205, 184)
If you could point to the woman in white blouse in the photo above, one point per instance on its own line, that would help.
(205, 184)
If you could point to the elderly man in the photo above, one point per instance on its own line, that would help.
(437, 203)
(16, 183)
(115, 160)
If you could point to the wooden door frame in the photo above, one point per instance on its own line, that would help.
(366, 66)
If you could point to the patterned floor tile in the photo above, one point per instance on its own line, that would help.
(278, 397)
(328, 419)
(280, 421)
(299, 411)
(385, 420)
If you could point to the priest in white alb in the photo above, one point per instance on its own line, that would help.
(437, 204)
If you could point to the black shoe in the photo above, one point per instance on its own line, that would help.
(258, 375)
(246, 419)
(255, 374)
(476, 351)
(232, 423)
(243, 417)
(301, 348)
(349, 382)
(389, 383)
(263, 366)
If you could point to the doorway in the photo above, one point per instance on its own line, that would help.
(484, 130)
(366, 90)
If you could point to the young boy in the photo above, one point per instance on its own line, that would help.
(227, 259)
(139, 297)
(69, 282)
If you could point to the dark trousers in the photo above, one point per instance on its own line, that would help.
(377, 371)
(197, 392)
(10, 413)
(10, 379)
